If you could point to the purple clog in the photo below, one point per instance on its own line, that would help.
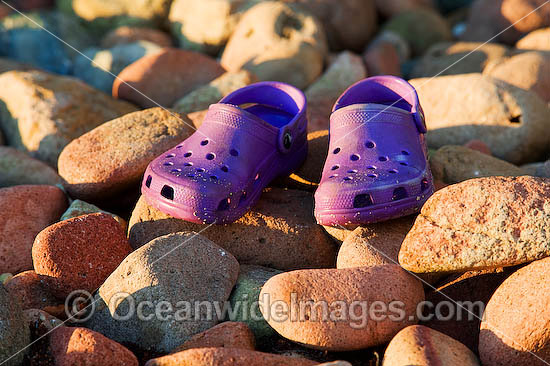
(377, 166)
(250, 137)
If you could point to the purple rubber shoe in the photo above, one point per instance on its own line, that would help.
(250, 137)
(377, 166)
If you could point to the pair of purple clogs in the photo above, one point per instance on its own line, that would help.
(376, 167)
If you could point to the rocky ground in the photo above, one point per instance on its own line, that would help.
(90, 274)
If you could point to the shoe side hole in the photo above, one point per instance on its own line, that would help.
(362, 200)
(224, 204)
(148, 181)
(167, 192)
(399, 194)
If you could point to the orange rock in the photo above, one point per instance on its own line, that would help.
(479, 146)
(32, 290)
(124, 34)
(536, 40)
(227, 334)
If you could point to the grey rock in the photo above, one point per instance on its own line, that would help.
(14, 331)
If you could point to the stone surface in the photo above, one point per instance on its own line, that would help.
(318, 301)
(451, 58)
(478, 145)
(346, 69)
(383, 56)
(514, 330)
(277, 42)
(227, 334)
(452, 164)
(41, 322)
(420, 345)
(271, 234)
(32, 291)
(541, 169)
(79, 208)
(7, 64)
(24, 211)
(125, 35)
(389, 8)
(14, 332)
(176, 269)
(227, 356)
(164, 77)
(536, 40)
(79, 253)
(480, 223)
(19, 168)
(528, 70)
(41, 113)
(201, 98)
(113, 157)
(80, 346)
(245, 293)
(98, 67)
(511, 121)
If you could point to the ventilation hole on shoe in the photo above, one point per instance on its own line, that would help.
(210, 156)
(347, 179)
(335, 167)
(362, 200)
(177, 170)
(372, 176)
(204, 142)
(333, 176)
(168, 163)
(170, 156)
(148, 181)
(424, 185)
(336, 151)
(187, 154)
(188, 164)
(224, 204)
(405, 152)
(234, 152)
(354, 157)
(191, 175)
(371, 167)
(199, 170)
(383, 158)
(214, 178)
(225, 168)
(167, 192)
(352, 171)
(392, 171)
(404, 164)
(370, 144)
(399, 194)
(179, 146)
(515, 119)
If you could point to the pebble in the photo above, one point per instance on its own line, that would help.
(227, 334)
(536, 40)
(125, 35)
(41, 112)
(271, 234)
(337, 290)
(510, 120)
(19, 168)
(24, 211)
(514, 330)
(7, 64)
(346, 69)
(382, 56)
(202, 97)
(227, 356)
(540, 169)
(32, 291)
(478, 145)
(14, 332)
(98, 67)
(41, 322)
(112, 158)
(184, 267)
(100, 245)
(79, 208)
(277, 41)
(389, 8)
(76, 346)
(478, 224)
(420, 345)
(452, 164)
(162, 78)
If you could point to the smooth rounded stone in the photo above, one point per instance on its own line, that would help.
(478, 145)
(278, 42)
(271, 234)
(164, 77)
(98, 240)
(7, 64)
(451, 58)
(422, 346)
(201, 98)
(346, 69)
(541, 169)
(113, 157)
(41, 322)
(41, 113)
(101, 16)
(186, 269)
(25, 40)
(98, 67)
(528, 70)
(124, 35)
(480, 223)
(508, 20)
(76, 346)
(32, 291)
(452, 164)
(510, 120)
(317, 308)
(389, 8)
(19, 168)
(227, 356)
(421, 28)
(14, 332)
(24, 211)
(514, 330)
(374, 244)
(243, 300)
(227, 334)
(536, 40)
(382, 57)
(79, 208)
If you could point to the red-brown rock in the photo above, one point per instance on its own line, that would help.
(227, 334)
